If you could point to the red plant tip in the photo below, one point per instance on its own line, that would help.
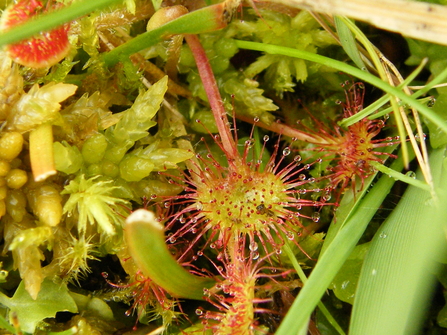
(43, 50)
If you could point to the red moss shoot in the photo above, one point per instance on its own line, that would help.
(43, 50)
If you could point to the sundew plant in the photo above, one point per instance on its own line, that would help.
(222, 167)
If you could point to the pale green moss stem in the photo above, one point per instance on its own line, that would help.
(41, 152)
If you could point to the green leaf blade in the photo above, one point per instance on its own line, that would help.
(51, 299)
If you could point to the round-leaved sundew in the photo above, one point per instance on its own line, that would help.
(244, 199)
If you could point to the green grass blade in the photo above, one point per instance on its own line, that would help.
(381, 101)
(200, 21)
(362, 75)
(348, 43)
(48, 21)
(335, 255)
(398, 272)
(6, 326)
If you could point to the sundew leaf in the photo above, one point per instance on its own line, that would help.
(51, 299)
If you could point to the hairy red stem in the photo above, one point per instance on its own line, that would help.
(283, 129)
(214, 98)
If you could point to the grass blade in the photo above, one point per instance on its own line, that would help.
(335, 255)
(397, 275)
(348, 43)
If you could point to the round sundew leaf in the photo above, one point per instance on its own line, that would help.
(42, 50)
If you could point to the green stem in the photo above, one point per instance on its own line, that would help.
(399, 176)
(200, 21)
(3, 323)
(303, 278)
(362, 75)
(51, 20)
(145, 240)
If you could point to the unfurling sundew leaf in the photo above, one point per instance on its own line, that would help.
(146, 243)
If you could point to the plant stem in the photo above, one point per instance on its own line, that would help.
(286, 130)
(214, 98)
(41, 152)
(362, 75)
(203, 20)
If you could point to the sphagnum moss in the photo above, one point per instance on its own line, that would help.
(232, 219)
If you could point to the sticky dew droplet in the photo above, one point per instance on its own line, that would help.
(286, 151)
(290, 235)
(253, 246)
